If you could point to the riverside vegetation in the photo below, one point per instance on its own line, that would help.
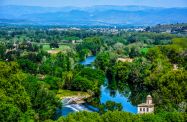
(32, 80)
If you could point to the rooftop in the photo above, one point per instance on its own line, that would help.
(145, 105)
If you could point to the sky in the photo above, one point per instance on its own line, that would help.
(86, 3)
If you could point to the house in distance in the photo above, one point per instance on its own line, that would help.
(147, 107)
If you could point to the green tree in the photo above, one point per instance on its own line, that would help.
(67, 78)
(2, 50)
(102, 60)
(14, 100)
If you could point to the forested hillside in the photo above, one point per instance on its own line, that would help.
(90, 16)
(39, 66)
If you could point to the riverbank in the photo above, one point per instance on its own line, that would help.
(61, 94)
(105, 95)
(73, 101)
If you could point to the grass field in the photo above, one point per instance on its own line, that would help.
(46, 47)
(63, 47)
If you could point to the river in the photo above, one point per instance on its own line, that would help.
(105, 96)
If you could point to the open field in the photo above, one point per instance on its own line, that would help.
(62, 48)
(46, 47)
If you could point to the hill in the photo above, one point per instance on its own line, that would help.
(96, 15)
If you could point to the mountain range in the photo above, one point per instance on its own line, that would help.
(95, 15)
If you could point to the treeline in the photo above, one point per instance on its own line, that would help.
(118, 116)
(161, 72)
(179, 28)
(15, 41)
(24, 97)
(46, 35)
(30, 77)
(43, 35)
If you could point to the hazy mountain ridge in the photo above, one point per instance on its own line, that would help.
(96, 15)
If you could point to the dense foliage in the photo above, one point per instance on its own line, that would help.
(23, 97)
(37, 62)
(118, 116)
(161, 73)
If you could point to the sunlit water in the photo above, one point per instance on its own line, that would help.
(88, 60)
(105, 96)
(118, 98)
(74, 108)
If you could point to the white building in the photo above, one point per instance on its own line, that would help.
(147, 107)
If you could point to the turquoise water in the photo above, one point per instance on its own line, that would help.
(66, 110)
(88, 60)
(118, 98)
(105, 96)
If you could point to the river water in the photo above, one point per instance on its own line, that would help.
(105, 96)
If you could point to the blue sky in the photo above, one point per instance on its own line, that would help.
(85, 3)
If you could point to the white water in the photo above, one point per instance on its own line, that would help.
(68, 108)
(105, 96)
(77, 107)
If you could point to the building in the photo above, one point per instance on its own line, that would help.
(175, 67)
(147, 107)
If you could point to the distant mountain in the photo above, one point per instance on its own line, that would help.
(96, 15)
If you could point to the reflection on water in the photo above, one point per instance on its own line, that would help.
(114, 95)
(106, 95)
